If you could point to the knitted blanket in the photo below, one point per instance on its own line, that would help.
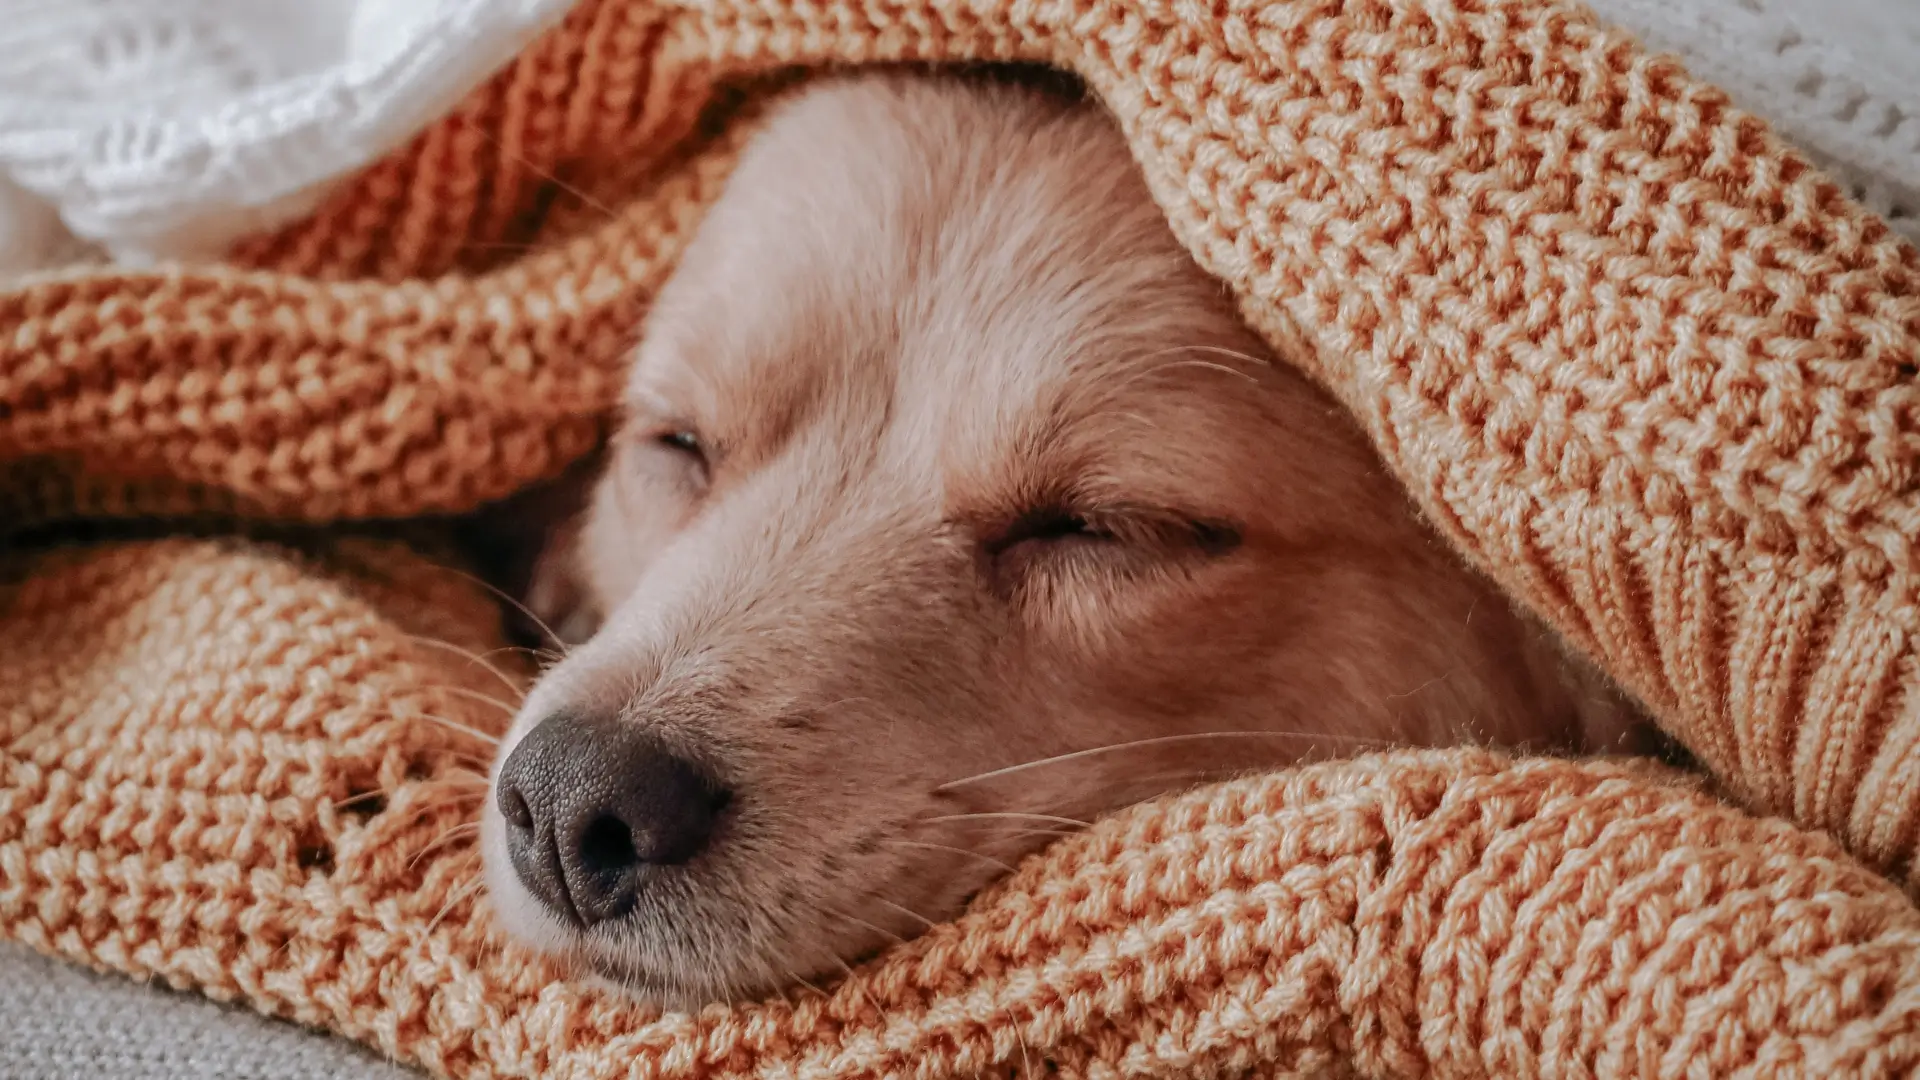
(1640, 362)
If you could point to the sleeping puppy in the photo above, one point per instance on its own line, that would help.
(953, 505)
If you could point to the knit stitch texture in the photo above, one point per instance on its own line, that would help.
(1640, 362)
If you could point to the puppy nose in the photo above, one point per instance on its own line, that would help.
(593, 807)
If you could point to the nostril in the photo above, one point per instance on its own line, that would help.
(607, 846)
(513, 807)
(597, 809)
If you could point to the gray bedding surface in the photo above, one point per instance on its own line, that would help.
(59, 1022)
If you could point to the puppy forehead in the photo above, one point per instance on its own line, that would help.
(964, 285)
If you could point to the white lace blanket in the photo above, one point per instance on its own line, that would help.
(158, 129)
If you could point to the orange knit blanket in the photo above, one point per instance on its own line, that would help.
(1635, 358)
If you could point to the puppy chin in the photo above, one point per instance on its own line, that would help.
(649, 989)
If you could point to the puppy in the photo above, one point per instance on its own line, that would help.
(954, 505)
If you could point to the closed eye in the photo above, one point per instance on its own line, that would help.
(1045, 527)
(684, 441)
(677, 455)
(1141, 537)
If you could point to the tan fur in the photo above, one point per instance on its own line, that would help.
(925, 309)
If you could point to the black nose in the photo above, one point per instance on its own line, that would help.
(594, 807)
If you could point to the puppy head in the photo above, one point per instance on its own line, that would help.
(942, 459)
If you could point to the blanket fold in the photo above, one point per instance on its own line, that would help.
(1644, 366)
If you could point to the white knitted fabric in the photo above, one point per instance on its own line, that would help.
(153, 129)
(168, 128)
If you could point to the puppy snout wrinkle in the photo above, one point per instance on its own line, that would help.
(596, 807)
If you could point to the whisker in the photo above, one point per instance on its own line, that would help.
(492, 740)
(1172, 783)
(808, 983)
(1211, 366)
(1200, 774)
(442, 840)
(1162, 740)
(464, 893)
(517, 605)
(904, 910)
(1148, 372)
(480, 765)
(765, 970)
(1006, 814)
(458, 778)
(544, 656)
(854, 981)
(856, 920)
(365, 796)
(466, 803)
(477, 696)
(1217, 350)
(1435, 681)
(1026, 1062)
(1143, 421)
(467, 654)
(1008, 867)
(543, 174)
(441, 796)
(1056, 833)
(458, 867)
